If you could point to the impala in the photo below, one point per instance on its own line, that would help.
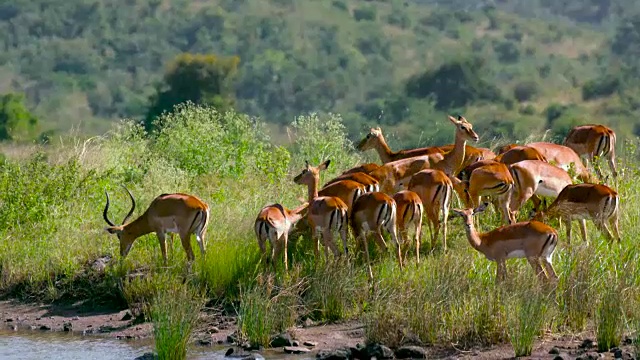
(373, 212)
(273, 224)
(347, 190)
(434, 189)
(375, 140)
(370, 183)
(325, 214)
(365, 168)
(594, 140)
(493, 180)
(409, 217)
(519, 153)
(532, 240)
(597, 202)
(168, 213)
(535, 177)
(393, 176)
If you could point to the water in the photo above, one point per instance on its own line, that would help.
(37, 345)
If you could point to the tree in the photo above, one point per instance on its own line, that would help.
(16, 122)
(200, 78)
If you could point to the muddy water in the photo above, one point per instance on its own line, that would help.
(36, 345)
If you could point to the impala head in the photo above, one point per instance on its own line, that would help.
(505, 148)
(369, 142)
(467, 214)
(124, 234)
(464, 128)
(310, 174)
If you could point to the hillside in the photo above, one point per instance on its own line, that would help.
(85, 63)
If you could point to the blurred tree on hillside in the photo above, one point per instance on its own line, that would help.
(16, 121)
(200, 78)
(626, 44)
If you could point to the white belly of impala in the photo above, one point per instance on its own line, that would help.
(516, 254)
(546, 191)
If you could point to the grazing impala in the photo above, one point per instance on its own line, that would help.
(532, 240)
(394, 175)
(325, 214)
(434, 189)
(373, 212)
(168, 213)
(519, 153)
(594, 140)
(375, 140)
(535, 177)
(346, 190)
(563, 157)
(370, 183)
(598, 202)
(409, 217)
(493, 180)
(273, 224)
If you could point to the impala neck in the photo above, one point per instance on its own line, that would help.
(455, 159)
(296, 214)
(473, 236)
(138, 227)
(313, 190)
(384, 150)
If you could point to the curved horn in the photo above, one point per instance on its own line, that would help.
(133, 206)
(106, 209)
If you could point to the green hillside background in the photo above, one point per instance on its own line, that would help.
(514, 68)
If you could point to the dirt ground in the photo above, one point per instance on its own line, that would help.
(214, 328)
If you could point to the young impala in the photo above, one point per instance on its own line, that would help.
(369, 182)
(325, 214)
(594, 141)
(599, 203)
(373, 212)
(532, 240)
(273, 224)
(409, 217)
(168, 213)
(559, 155)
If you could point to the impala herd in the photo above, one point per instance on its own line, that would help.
(395, 196)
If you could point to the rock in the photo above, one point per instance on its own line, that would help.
(308, 323)
(147, 356)
(411, 352)
(337, 354)
(8, 320)
(592, 356)
(106, 328)
(296, 350)
(75, 318)
(67, 326)
(295, 343)
(13, 327)
(204, 342)
(309, 343)
(213, 330)
(586, 344)
(554, 351)
(100, 264)
(561, 357)
(281, 340)
(377, 351)
(45, 327)
(231, 353)
(617, 353)
(232, 338)
(127, 316)
(38, 318)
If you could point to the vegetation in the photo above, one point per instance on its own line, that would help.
(448, 298)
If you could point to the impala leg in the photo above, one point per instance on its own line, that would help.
(583, 230)
(547, 265)
(612, 163)
(186, 244)
(604, 229)
(537, 268)
(567, 225)
(363, 237)
(501, 271)
(329, 242)
(394, 237)
(613, 221)
(445, 216)
(343, 236)
(163, 245)
(285, 238)
(418, 238)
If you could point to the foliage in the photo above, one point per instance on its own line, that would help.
(16, 122)
(202, 79)
(526, 90)
(600, 87)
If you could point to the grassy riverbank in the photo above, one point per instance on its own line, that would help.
(51, 231)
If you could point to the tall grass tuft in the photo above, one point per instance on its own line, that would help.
(526, 316)
(608, 320)
(174, 312)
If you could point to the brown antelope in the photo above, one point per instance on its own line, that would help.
(365, 168)
(597, 202)
(168, 213)
(532, 240)
(519, 153)
(393, 176)
(492, 180)
(370, 183)
(325, 214)
(434, 188)
(373, 212)
(409, 210)
(562, 157)
(535, 177)
(594, 141)
(273, 224)
(375, 140)
(347, 190)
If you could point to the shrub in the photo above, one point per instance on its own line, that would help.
(600, 87)
(365, 13)
(507, 52)
(526, 90)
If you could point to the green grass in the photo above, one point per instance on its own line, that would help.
(51, 229)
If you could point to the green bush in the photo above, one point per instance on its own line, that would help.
(526, 90)
(600, 87)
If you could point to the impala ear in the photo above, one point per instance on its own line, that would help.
(453, 120)
(112, 230)
(324, 165)
(306, 164)
(481, 208)
(458, 212)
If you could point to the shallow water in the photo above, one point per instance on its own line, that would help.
(36, 345)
